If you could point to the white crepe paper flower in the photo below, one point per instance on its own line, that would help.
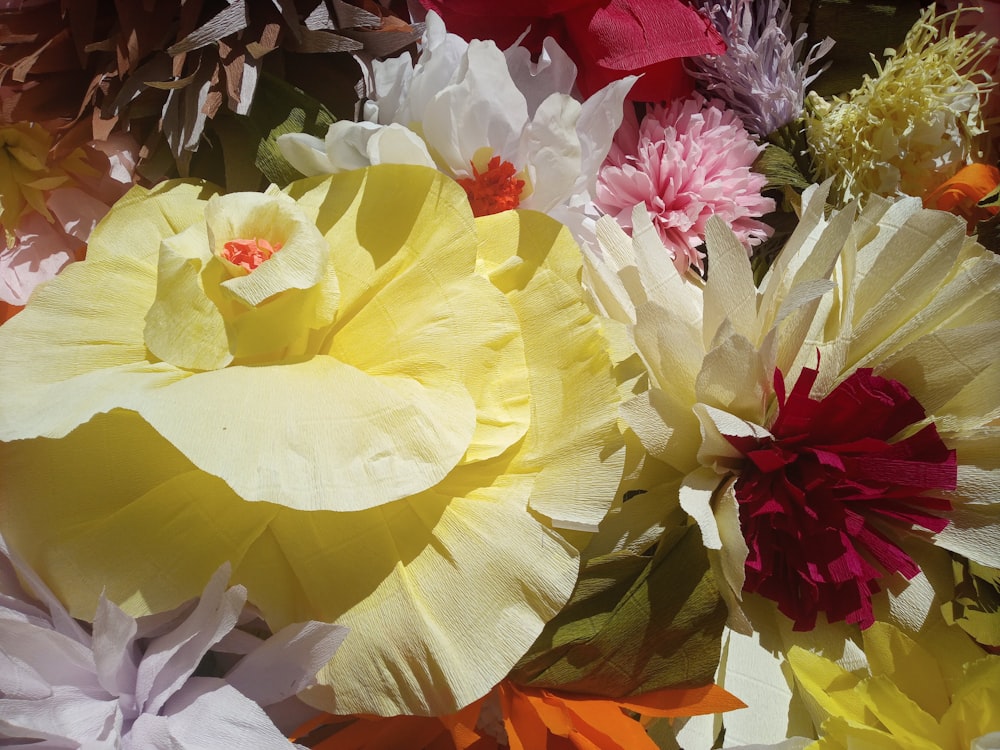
(506, 128)
(131, 684)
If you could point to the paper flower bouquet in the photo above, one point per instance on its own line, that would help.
(567, 374)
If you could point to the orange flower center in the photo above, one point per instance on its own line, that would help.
(494, 190)
(249, 253)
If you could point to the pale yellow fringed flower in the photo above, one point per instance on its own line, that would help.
(381, 411)
(893, 287)
(939, 694)
(911, 127)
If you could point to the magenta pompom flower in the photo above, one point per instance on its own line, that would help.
(822, 498)
(686, 163)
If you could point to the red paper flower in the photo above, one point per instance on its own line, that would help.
(822, 499)
(607, 40)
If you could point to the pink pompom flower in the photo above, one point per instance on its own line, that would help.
(686, 163)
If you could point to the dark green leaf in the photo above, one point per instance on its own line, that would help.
(634, 624)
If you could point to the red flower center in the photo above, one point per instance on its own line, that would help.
(821, 500)
(249, 253)
(494, 190)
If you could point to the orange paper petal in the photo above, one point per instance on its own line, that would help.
(8, 311)
(961, 193)
(534, 719)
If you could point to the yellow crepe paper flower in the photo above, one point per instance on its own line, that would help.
(912, 126)
(939, 695)
(382, 411)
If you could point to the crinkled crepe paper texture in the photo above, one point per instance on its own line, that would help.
(707, 344)
(976, 604)
(535, 718)
(532, 718)
(756, 667)
(443, 588)
(634, 624)
(710, 351)
(133, 682)
(914, 299)
(919, 302)
(916, 694)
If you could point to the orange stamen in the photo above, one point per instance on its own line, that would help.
(249, 253)
(494, 190)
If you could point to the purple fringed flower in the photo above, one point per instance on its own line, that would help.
(130, 684)
(759, 77)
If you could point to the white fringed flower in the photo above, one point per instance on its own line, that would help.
(893, 287)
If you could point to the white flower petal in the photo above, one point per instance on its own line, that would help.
(208, 714)
(482, 108)
(553, 73)
(551, 147)
(287, 662)
(395, 144)
(68, 714)
(114, 653)
(306, 153)
(600, 118)
(172, 658)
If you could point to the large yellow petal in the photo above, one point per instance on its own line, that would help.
(469, 336)
(317, 435)
(78, 351)
(141, 524)
(574, 444)
(891, 653)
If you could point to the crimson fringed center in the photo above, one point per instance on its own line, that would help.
(824, 500)
(493, 190)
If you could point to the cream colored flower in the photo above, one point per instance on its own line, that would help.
(381, 411)
(897, 289)
(894, 288)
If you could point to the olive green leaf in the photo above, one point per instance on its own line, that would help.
(634, 624)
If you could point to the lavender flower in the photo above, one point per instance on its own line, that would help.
(760, 76)
(131, 685)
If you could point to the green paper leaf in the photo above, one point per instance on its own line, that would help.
(281, 109)
(780, 168)
(634, 624)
